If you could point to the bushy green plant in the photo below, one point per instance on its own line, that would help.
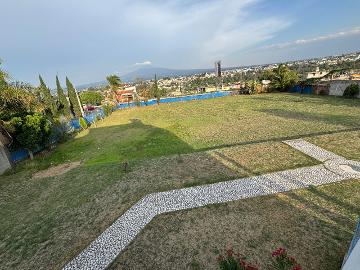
(83, 123)
(107, 109)
(31, 131)
(351, 91)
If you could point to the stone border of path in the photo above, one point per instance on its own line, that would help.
(104, 249)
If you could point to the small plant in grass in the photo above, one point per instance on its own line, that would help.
(83, 123)
(107, 109)
(282, 261)
(351, 91)
(234, 261)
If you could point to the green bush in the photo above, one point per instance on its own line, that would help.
(107, 109)
(31, 131)
(351, 91)
(83, 123)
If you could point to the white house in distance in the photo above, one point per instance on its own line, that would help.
(317, 74)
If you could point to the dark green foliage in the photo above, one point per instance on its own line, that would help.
(47, 98)
(156, 92)
(351, 91)
(282, 78)
(31, 131)
(75, 106)
(113, 81)
(63, 104)
(91, 98)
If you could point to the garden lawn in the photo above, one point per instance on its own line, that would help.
(47, 221)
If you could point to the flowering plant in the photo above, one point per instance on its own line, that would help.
(234, 261)
(282, 261)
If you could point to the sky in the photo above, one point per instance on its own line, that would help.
(88, 40)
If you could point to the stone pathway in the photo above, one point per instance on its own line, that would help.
(103, 250)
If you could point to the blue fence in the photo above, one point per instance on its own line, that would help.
(175, 99)
(298, 89)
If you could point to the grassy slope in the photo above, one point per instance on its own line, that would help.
(47, 221)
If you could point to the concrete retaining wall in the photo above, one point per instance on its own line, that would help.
(337, 88)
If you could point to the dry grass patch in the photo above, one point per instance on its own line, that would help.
(57, 170)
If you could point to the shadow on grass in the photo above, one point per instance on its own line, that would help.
(334, 119)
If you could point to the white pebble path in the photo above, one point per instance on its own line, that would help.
(104, 249)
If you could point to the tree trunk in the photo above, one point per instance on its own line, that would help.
(31, 154)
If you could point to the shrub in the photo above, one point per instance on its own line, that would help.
(107, 109)
(83, 123)
(62, 129)
(233, 261)
(351, 91)
(282, 261)
(236, 261)
(32, 131)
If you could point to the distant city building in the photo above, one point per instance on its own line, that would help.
(218, 68)
(125, 94)
(317, 74)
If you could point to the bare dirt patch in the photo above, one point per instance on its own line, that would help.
(57, 170)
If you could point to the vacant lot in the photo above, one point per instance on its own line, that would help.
(45, 221)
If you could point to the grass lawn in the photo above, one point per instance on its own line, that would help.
(46, 221)
(315, 225)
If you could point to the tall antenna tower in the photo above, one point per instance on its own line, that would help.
(218, 74)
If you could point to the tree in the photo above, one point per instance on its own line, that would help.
(47, 98)
(74, 100)
(4, 76)
(91, 97)
(282, 78)
(351, 91)
(143, 89)
(63, 104)
(31, 131)
(114, 81)
(156, 92)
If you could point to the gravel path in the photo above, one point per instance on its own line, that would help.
(103, 250)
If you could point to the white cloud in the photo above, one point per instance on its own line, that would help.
(196, 32)
(299, 42)
(145, 63)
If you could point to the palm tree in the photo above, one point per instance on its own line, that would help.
(113, 81)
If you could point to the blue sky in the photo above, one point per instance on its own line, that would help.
(87, 40)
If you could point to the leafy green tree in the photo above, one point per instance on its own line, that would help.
(31, 131)
(114, 81)
(47, 98)
(282, 78)
(352, 90)
(74, 100)
(91, 97)
(63, 104)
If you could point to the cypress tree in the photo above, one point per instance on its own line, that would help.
(64, 107)
(75, 106)
(46, 97)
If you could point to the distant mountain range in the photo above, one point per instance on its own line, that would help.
(148, 73)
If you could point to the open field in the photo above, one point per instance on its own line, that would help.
(47, 221)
